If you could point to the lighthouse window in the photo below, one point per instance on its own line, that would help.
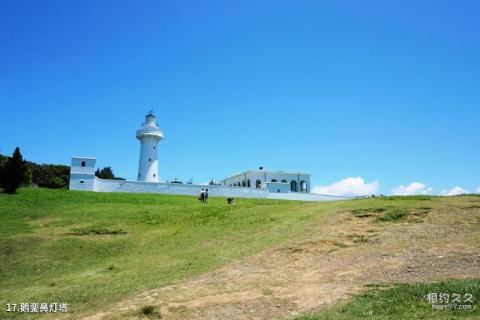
(149, 159)
(153, 147)
(154, 175)
(83, 163)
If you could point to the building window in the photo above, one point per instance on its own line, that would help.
(293, 186)
(258, 184)
(83, 163)
(153, 147)
(139, 175)
(274, 180)
(149, 159)
(248, 183)
(284, 181)
(81, 181)
(154, 175)
(244, 183)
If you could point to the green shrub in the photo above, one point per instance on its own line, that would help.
(392, 215)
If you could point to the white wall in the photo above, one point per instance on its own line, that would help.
(83, 178)
(278, 187)
(103, 185)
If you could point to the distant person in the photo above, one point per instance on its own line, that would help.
(205, 198)
(202, 195)
(230, 201)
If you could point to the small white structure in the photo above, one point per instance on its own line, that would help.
(149, 135)
(273, 181)
(82, 173)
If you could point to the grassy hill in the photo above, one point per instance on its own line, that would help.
(91, 250)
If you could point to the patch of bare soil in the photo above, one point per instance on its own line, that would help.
(343, 255)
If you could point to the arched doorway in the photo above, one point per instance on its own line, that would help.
(258, 184)
(303, 186)
(293, 186)
(248, 183)
(243, 183)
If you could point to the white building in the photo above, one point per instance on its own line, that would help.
(249, 184)
(273, 181)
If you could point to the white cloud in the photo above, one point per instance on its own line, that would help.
(453, 192)
(412, 189)
(348, 187)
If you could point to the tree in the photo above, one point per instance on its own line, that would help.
(50, 175)
(107, 173)
(27, 179)
(3, 163)
(42, 175)
(14, 172)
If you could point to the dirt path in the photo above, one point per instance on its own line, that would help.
(339, 258)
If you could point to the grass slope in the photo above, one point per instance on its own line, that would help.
(408, 301)
(93, 249)
(90, 249)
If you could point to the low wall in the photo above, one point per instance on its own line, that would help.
(301, 196)
(103, 185)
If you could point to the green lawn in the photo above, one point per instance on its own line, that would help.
(93, 249)
(408, 301)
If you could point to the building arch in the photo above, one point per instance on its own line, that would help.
(303, 186)
(284, 181)
(258, 184)
(293, 186)
(248, 183)
(274, 180)
(244, 184)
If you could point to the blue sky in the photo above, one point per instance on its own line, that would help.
(388, 91)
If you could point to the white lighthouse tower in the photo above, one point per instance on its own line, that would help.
(149, 135)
